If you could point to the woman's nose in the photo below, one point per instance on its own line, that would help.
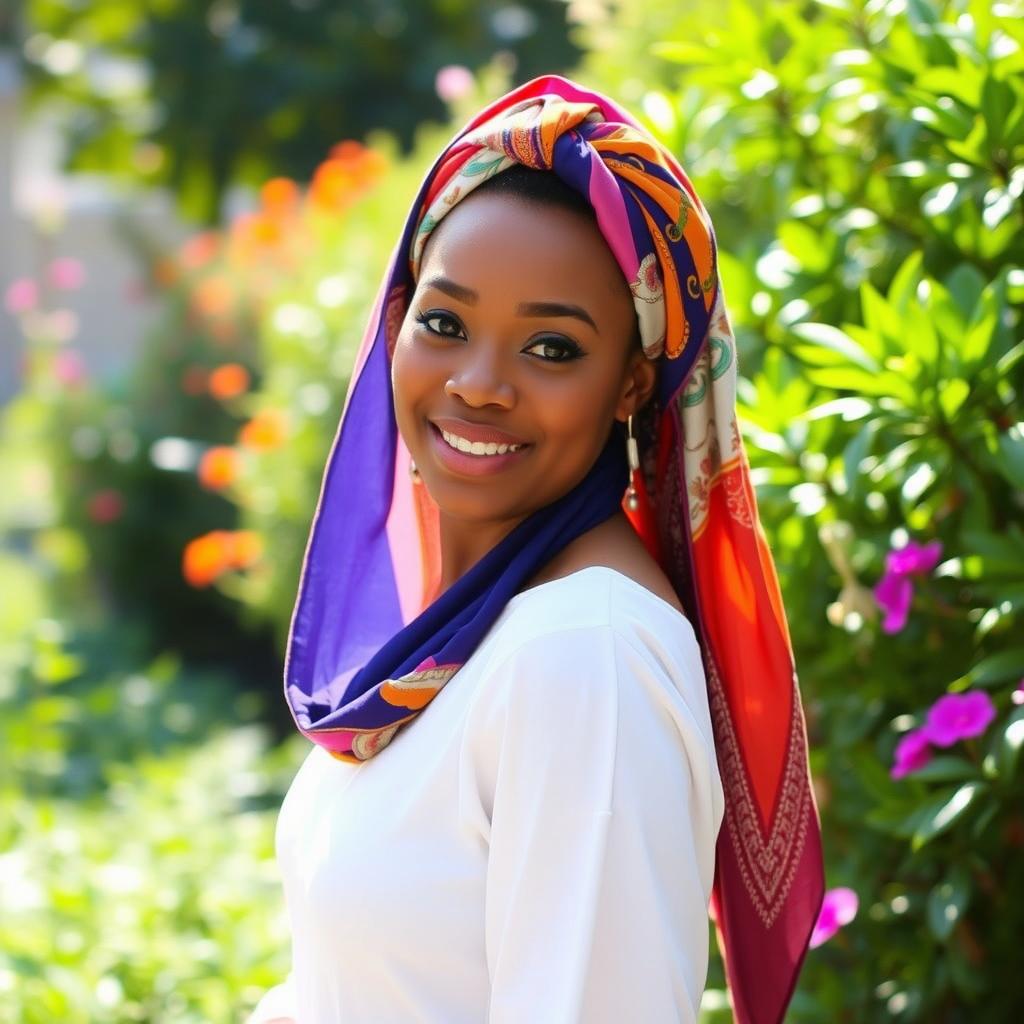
(480, 380)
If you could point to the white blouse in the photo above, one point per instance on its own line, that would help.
(537, 845)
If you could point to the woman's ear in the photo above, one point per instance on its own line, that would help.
(638, 385)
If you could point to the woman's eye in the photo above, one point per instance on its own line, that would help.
(440, 323)
(558, 350)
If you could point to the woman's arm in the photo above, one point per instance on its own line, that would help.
(606, 808)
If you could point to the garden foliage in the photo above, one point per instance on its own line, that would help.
(864, 167)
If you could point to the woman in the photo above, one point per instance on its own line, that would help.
(538, 642)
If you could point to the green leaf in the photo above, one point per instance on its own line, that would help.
(56, 666)
(680, 52)
(947, 769)
(849, 408)
(947, 902)
(966, 284)
(855, 452)
(944, 812)
(997, 668)
(807, 245)
(1013, 741)
(952, 394)
(996, 104)
(1009, 360)
(1011, 456)
(981, 330)
(962, 83)
(834, 340)
(903, 290)
(864, 382)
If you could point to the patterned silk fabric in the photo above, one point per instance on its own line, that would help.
(372, 642)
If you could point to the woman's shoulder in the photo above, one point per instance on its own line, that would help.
(590, 640)
(578, 617)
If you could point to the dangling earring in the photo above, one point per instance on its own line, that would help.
(633, 454)
(414, 473)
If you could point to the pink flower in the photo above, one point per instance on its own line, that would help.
(452, 82)
(1018, 694)
(21, 296)
(69, 368)
(895, 590)
(65, 273)
(959, 716)
(839, 907)
(912, 754)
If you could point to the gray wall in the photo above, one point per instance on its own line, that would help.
(112, 320)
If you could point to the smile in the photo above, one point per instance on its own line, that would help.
(478, 447)
(463, 457)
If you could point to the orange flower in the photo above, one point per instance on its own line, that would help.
(208, 557)
(228, 381)
(213, 297)
(248, 547)
(266, 430)
(364, 163)
(347, 172)
(219, 467)
(351, 150)
(252, 231)
(279, 196)
(334, 185)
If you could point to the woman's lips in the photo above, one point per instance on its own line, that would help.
(466, 464)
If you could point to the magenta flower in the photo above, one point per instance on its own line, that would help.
(959, 716)
(912, 754)
(895, 590)
(839, 907)
(914, 558)
(1018, 694)
(452, 82)
(894, 593)
(65, 273)
(21, 296)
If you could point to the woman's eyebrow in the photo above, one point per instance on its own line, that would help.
(555, 309)
(467, 295)
(449, 287)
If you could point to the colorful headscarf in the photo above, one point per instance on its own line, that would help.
(370, 642)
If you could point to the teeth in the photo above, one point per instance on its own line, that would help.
(478, 447)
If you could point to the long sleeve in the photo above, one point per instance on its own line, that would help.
(591, 773)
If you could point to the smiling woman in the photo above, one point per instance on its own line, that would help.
(521, 331)
(538, 643)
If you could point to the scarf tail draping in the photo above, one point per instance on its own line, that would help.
(371, 642)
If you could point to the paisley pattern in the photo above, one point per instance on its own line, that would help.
(549, 133)
(372, 641)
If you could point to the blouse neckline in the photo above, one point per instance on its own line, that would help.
(630, 582)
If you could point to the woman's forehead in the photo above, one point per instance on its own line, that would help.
(504, 242)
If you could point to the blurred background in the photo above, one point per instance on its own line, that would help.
(197, 201)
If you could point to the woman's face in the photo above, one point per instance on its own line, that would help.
(519, 332)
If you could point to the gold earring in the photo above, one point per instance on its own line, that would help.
(633, 454)
(414, 473)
